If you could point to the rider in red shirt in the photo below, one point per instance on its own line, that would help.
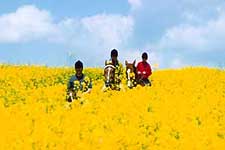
(144, 69)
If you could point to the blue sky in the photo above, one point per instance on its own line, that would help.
(174, 33)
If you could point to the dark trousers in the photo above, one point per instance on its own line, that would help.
(146, 82)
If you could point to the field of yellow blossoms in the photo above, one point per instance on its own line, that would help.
(183, 109)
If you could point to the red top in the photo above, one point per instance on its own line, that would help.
(144, 69)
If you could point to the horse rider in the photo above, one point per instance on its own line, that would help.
(144, 70)
(79, 81)
(118, 68)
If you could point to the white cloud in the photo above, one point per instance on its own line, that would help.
(130, 56)
(183, 37)
(87, 37)
(30, 23)
(92, 38)
(135, 4)
(192, 43)
(27, 23)
(110, 30)
(209, 36)
(177, 63)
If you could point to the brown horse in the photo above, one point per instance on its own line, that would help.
(131, 74)
(109, 74)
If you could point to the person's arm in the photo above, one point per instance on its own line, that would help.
(70, 85)
(69, 93)
(148, 71)
(89, 86)
(139, 69)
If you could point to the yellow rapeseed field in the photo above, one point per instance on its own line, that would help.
(183, 109)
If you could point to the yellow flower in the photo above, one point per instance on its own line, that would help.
(76, 85)
(86, 80)
(184, 109)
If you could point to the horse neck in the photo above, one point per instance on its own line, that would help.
(128, 73)
(108, 73)
(135, 70)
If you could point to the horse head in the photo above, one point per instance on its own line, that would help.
(131, 74)
(109, 74)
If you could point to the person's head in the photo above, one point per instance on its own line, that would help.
(79, 68)
(114, 54)
(144, 56)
